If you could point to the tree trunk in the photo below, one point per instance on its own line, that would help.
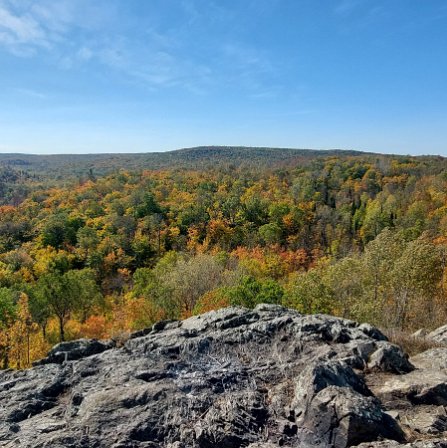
(6, 354)
(61, 329)
(27, 349)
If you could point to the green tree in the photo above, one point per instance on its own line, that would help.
(271, 233)
(84, 291)
(39, 307)
(250, 292)
(59, 229)
(191, 278)
(309, 293)
(348, 280)
(148, 206)
(415, 280)
(379, 258)
(8, 310)
(74, 291)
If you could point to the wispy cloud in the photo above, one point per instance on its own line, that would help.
(266, 93)
(190, 7)
(31, 93)
(250, 67)
(360, 14)
(72, 34)
(27, 26)
(19, 33)
(156, 66)
(346, 7)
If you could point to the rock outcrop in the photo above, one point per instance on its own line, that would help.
(72, 350)
(233, 378)
(439, 335)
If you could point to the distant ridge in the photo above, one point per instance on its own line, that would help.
(200, 150)
(201, 157)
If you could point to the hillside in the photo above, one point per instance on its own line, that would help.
(60, 166)
(355, 235)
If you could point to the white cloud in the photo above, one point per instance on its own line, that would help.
(70, 33)
(26, 26)
(345, 7)
(55, 18)
(19, 30)
(31, 93)
(84, 54)
(191, 10)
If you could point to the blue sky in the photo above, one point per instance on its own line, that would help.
(153, 75)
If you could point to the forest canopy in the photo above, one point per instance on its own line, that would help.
(101, 252)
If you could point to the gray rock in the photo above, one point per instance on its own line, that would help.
(418, 444)
(390, 358)
(439, 335)
(433, 359)
(394, 414)
(345, 418)
(317, 377)
(419, 397)
(426, 419)
(421, 333)
(420, 387)
(261, 445)
(72, 350)
(382, 444)
(231, 378)
(330, 396)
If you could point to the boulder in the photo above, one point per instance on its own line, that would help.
(389, 358)
(426, 419)
(315, 378)
(345, 418)
(72, 350)
(229, 378)
(417, 444)
(439, 335)
(418, 399)
(420, 387)
(433, 359)
(421, 333)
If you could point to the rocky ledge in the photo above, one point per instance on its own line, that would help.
(233, 378)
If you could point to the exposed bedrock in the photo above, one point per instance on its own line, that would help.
(232, 378)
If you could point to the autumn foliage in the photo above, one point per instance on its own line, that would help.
(364, 237)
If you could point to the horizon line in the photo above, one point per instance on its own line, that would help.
(217, 147)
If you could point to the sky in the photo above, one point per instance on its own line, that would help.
(83, 76)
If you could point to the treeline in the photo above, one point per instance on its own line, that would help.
(62, 166)
(361, 237)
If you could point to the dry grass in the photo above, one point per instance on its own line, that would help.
(120, 338)
(410, 344)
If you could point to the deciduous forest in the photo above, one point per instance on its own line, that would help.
(93, 252)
